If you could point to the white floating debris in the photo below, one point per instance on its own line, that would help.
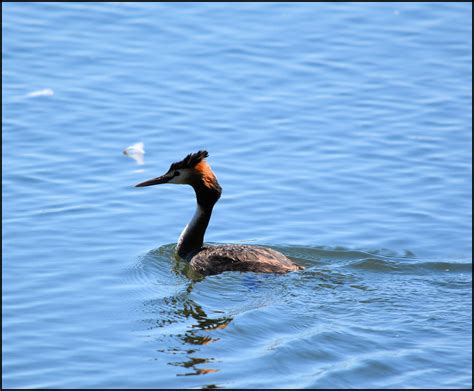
(136, 151)
(43, 92)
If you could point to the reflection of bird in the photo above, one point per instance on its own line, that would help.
(136, 151)
(193, 170)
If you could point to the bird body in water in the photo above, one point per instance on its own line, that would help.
(193, 170)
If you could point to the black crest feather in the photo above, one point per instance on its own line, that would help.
(190, 161)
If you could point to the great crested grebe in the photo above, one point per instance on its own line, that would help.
(195, 171)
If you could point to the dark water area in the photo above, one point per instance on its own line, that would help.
(341, 136)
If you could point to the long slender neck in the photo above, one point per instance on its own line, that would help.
(192, 237)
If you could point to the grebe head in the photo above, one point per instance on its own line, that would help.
(192, 170)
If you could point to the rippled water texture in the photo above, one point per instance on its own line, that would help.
(341, 135)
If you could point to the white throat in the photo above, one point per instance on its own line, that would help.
(192, 226)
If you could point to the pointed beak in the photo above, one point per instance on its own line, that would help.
(155, 181)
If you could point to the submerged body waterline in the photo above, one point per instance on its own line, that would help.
(195, 171)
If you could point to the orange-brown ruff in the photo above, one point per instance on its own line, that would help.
(193, 170)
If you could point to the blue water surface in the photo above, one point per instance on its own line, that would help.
(341, 136)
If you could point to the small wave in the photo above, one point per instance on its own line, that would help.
(376, 260)
(375, 264)
(342, 253)
(381, 265)
(318, 254)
